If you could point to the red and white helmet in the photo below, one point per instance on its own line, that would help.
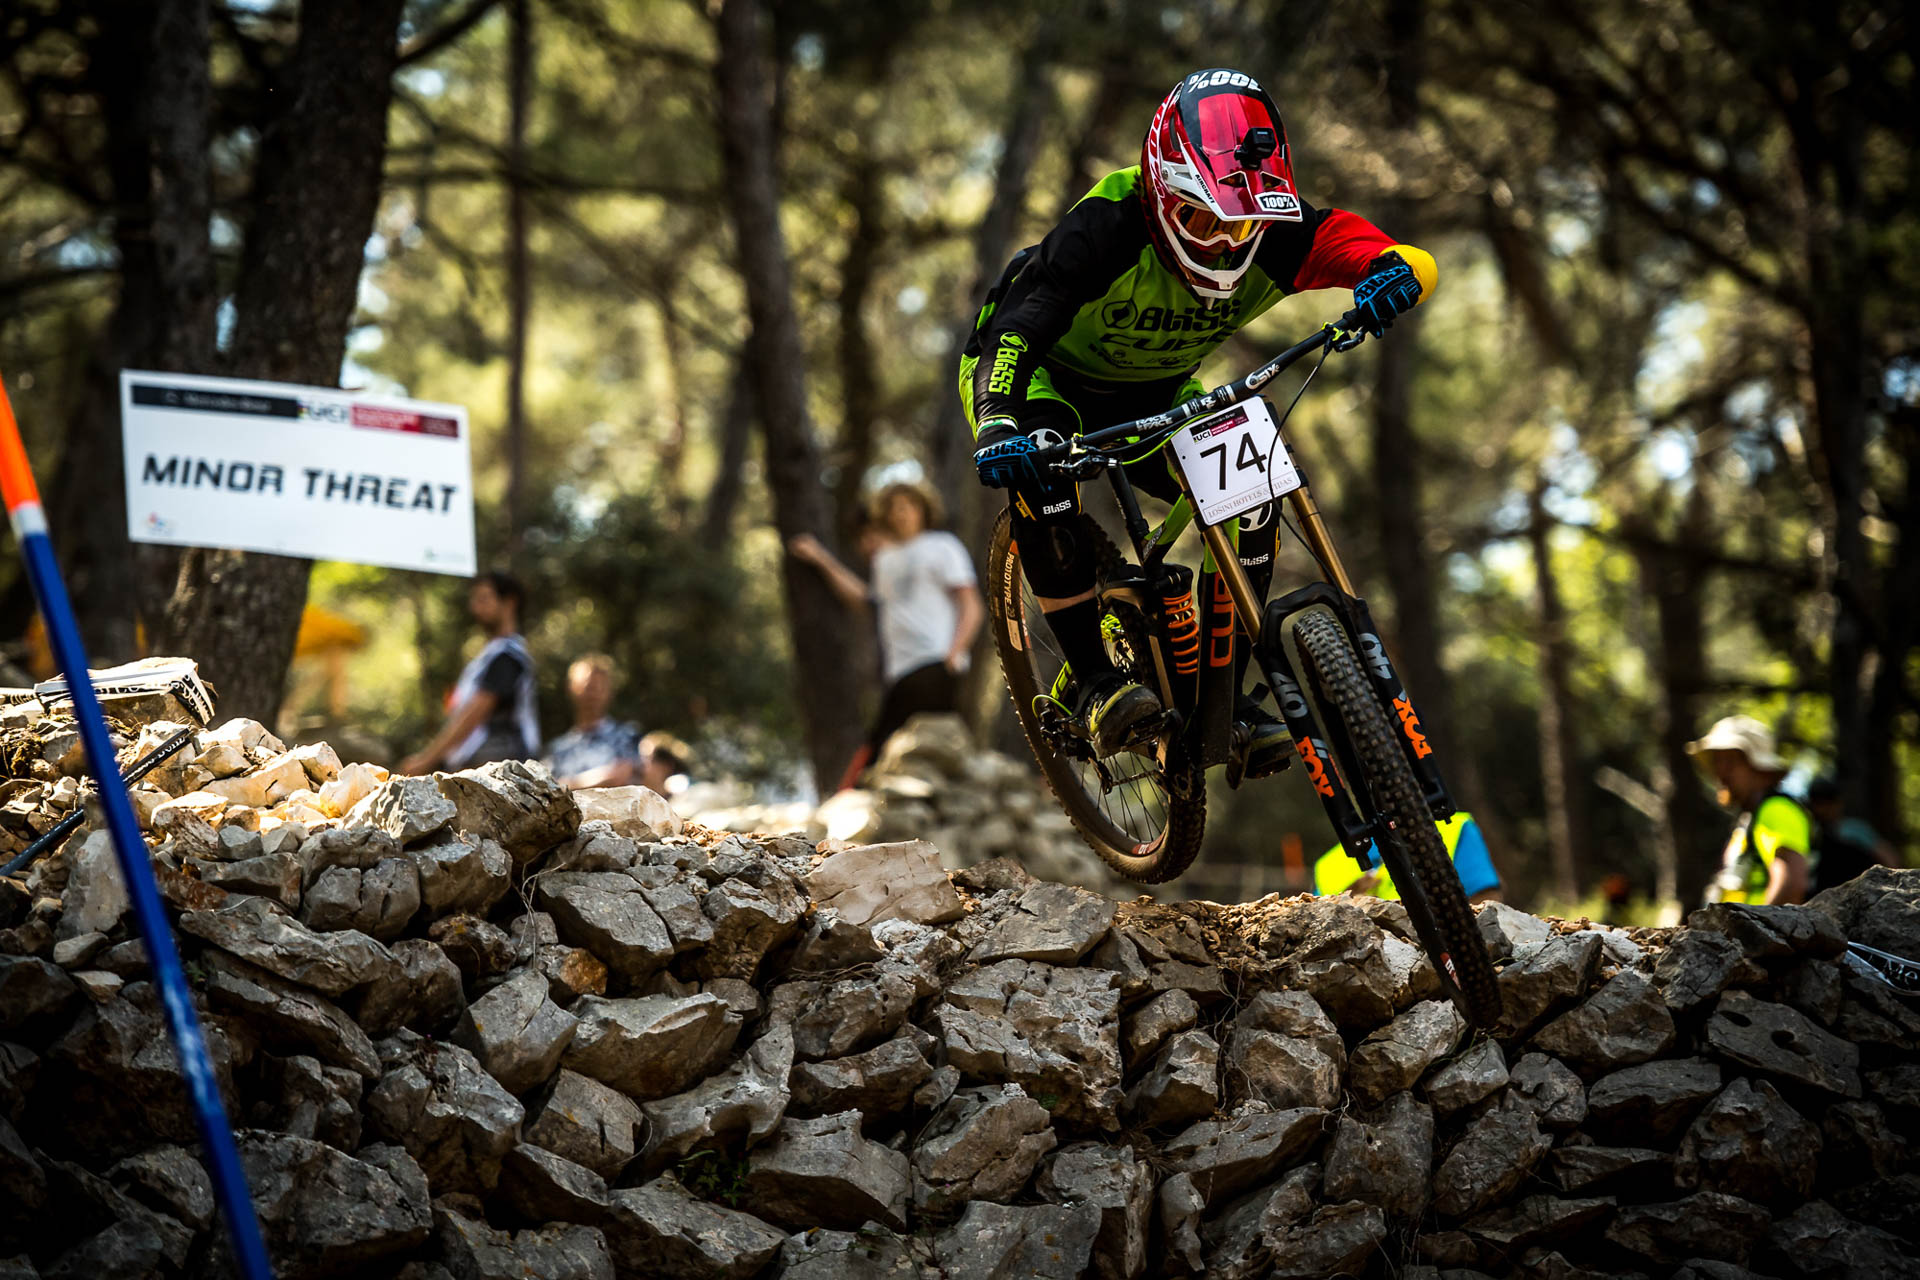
(1218, 174)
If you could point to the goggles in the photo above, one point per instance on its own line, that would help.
(1202, 228)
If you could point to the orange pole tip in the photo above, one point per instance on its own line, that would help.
(16, 475)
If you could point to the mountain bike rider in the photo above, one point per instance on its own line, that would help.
(1109, 318)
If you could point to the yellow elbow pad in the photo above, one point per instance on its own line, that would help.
(1424, 268)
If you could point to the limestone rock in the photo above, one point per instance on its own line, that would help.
(95, 898)
(451, 1116)
(1770, 932)
(471, 1250)
(1558, 972)
(1493, 1157)
(1182, 1086)
(422, 991)
(1536, 1220)
(260, 933)
(33, 991)
(1878, 908)
(1858, 1141)
(1225, 1157)
(1385, 1158)
(1393, 1058)
(870, 883)
(1337, 1240)
(607, 913)
(1638, 1171)
(881, 1081)
(821, 1172)
(831, 1020)
(1111, 1180)
(303, 1097)
(651, 1046)
(1055, 923)
(1699, 966)
(1285, 1052)
(1045, 1241)
(407, 809)
(1340, 960)
(680, 1237)
(635, 812)
(1240, 1241)
(325, 1213)
(1652, 1102)
(744, 1103)
(461, 875)
(584, 1121)
(1504, 928)
(982, 1145)
(288, 1015)
(748, 921)
(1623, 1024)
(1053, 1031)
(1816, 1241)
(379, 901)
(1554, 1092)
(170, 1179)
(540, 1186)
(1705, 1224)
(517, 803)
(869, 1254)
(1750, 1143)
(1782, 1042)
(1468, 1078)
(1145, 1030)
(517, 1032)
(1180, 1204)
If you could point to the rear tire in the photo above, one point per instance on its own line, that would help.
(1147, 827)
(1414, 851)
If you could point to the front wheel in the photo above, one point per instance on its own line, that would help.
(1413, 850)
(1143, 810)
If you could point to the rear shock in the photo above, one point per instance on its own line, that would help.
(1183, 629)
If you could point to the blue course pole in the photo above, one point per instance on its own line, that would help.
(49, 589)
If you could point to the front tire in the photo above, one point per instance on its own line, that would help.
(1414, 852)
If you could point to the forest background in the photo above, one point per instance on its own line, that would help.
(700, 273)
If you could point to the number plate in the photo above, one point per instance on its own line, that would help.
(1234, 461)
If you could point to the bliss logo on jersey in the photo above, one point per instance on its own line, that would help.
(1125, 315)
(1005, 357)
(1221, 80)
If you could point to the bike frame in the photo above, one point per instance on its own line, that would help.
(1230, 608)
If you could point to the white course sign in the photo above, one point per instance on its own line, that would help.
(300, 471)
(1234, 461)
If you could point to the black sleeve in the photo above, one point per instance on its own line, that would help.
(1078, 261)
(502, 677)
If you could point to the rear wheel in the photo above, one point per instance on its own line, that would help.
(1144, 810)
(1413, 851)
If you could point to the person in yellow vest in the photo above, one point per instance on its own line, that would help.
(1767, 856)
(1336, 871)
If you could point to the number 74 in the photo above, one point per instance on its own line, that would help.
(1248, 455)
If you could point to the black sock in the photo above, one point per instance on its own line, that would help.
(1076, 628)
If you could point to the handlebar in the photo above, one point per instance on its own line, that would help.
(1078, 453)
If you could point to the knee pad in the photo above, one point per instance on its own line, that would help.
(1055, 550)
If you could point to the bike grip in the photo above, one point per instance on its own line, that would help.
(1350, 322)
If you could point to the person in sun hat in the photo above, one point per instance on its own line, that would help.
(1768, 855)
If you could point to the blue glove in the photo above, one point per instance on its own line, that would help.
(1390, 289)
(1004, 457)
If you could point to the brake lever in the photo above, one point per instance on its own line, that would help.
(1348, 334)
(1080, 464)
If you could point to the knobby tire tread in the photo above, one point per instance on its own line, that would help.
(1343, 686)
(1186, 817)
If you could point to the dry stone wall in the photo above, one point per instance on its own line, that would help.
(475, 1027)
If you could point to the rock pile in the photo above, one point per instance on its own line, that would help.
(477, 1027)
(933, 782)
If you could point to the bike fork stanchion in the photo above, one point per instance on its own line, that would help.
(36, 548)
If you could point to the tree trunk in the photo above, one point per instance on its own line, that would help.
(519, 77)
(236, 612)
(152, 83)
(951, 447)
(736, 425)
(1559, 779)
(859, 383)
(1675, 581)
(822, 632)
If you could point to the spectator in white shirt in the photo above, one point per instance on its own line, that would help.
(927, 599)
